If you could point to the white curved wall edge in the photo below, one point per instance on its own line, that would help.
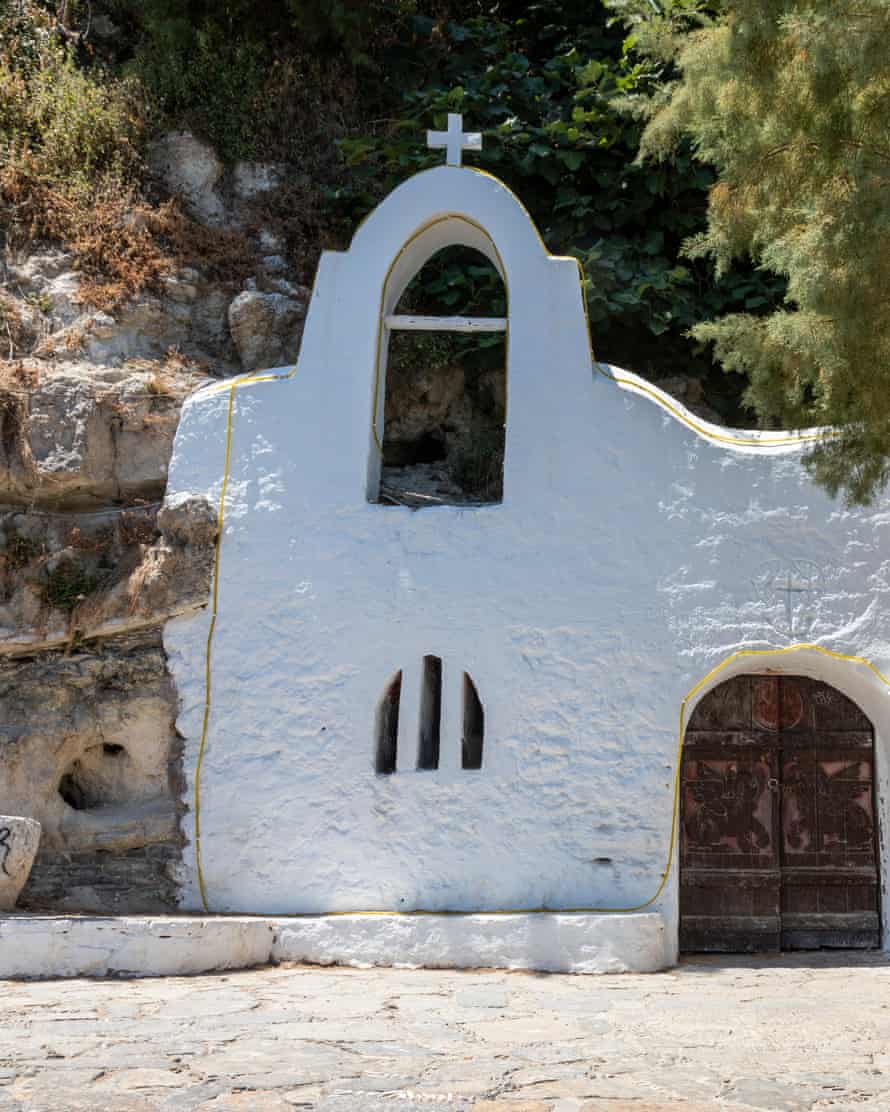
(761, 441)
(758, 441)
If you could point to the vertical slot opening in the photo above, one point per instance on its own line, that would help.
(430, 713)
(474, 726)
(387, 726)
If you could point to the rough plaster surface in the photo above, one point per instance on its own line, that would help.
(548, 943)
(631, 555)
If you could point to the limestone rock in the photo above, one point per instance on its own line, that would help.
(63, 575)
(269, 241)
(85, 433)
(267, 327)
(43, 303)
(91, 752)
(273, 266)
(444, 432)
(188, 521)
(253, 179)
(174, 575)
(48, 279)
(190, 168)
(19, 838)
(281, 285)
(190, 318)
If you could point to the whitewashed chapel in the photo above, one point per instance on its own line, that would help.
(479, 708)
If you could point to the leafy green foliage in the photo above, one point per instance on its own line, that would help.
(789, 100)
(19, 550)
(67, 585)
(547, 81)
(70, 124)
(213, 67)
(545, 88)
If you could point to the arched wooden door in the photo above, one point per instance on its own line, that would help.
(778, 840)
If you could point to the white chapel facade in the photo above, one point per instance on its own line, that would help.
(480, 709)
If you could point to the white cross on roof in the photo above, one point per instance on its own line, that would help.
(455, 140)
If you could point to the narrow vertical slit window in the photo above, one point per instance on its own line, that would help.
(474, 726)
(387, 726)
(430, 714)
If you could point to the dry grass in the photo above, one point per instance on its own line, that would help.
(121, 244)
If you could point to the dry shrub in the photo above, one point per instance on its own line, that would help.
(222, 254)
(71, 171)
(16, 332)
(138, 526)
(120, 243)
(18, 375)
(308, 103)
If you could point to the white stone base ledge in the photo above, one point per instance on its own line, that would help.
(45, 946)
(553, 943)
(48, 946)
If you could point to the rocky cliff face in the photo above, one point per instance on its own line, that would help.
(91, 563)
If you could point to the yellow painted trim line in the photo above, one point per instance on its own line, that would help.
(777, 441)
(214, 610)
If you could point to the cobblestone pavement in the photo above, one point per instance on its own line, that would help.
(784, 1033)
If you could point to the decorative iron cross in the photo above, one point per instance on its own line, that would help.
(455, 140)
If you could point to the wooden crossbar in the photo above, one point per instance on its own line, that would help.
(446, 324)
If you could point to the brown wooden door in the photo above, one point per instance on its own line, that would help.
(777, 835)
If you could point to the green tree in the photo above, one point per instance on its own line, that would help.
(790, 101)
(542, 81)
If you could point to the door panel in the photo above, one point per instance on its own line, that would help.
(729, 857)
(778, 841)
(829, 860)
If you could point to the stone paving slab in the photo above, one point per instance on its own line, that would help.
(796, 1033)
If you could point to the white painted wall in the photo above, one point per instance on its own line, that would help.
(617, 572)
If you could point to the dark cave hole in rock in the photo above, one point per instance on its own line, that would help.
(445, 396)
(99, 777)
(71, 791)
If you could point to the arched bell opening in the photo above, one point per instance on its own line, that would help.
(779, 838)
(441, 389)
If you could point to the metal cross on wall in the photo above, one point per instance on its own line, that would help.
(789, 589)
(798, 583)
(455, 140)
